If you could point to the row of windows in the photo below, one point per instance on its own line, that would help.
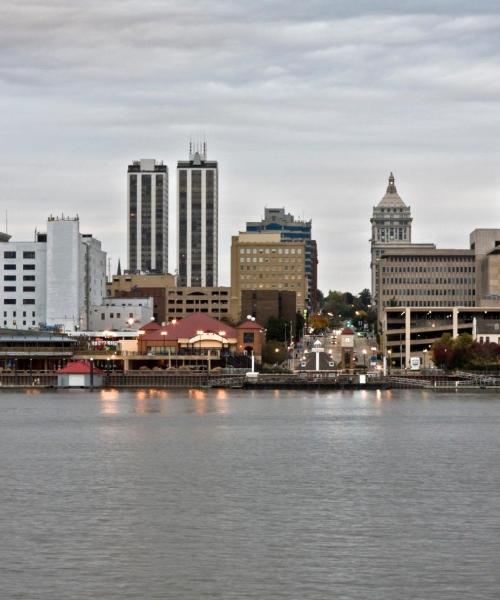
(393, 210)
(442, 259)
(13, 278)
(181, 311)
(14, 323)
(13, 267)
(12, 254)
(267, 260)
(433, 303)
(429, 292)
(391, 234)
(273, 286)
(429, 280)
(268, 269)
(420, 269)
(14, 301)
(269, 276)
(270, 251)
(214, 293)
(5, 313)
(198, 302)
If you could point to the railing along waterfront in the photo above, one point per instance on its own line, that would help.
(178, 378)
(28, 379)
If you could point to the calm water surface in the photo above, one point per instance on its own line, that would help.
(189, 495)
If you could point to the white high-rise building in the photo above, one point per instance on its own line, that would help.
(54, 280)
(147, 227)
(197, 219)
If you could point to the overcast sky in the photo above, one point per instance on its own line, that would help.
(306, 105)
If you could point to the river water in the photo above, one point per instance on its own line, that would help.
(256, 495)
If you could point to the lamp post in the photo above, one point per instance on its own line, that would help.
(163, 335)
(364, 357)
(389, 353)
(425, 356)
(200, 332)
(91, 374)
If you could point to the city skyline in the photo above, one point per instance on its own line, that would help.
(325, 103)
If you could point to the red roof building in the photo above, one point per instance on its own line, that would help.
(79, 367)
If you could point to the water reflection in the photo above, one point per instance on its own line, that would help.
(198, 401)
(151, 401)
(32, 392)
(221, 403)
(109, 401)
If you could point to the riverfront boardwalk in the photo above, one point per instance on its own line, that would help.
(307, 380)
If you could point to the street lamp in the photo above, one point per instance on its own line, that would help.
(91, 374)
(364, 357)
(389, 353)
(200, 332)
(163, 334)
(425, 356)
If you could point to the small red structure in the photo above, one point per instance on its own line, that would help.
(79, 367)
(79, 373)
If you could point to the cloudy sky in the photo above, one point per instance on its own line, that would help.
(307, 105)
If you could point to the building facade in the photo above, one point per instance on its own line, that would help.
(147, 224)
(410, 332)
(390, 228)
(264, 304)
(54, 280)
(171, 301)
(426, 278)
(121, 314)
(262, 261)
(433, 277)
(486, 246)
(197, 225)
(140, 285)
(277, 221)
(212, 301)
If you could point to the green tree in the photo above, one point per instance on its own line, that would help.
(299, 326)
(274, 352)
(365, 298)
(276, 329)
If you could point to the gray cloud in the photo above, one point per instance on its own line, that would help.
(305, 105)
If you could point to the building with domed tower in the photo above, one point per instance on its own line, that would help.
(391, 230)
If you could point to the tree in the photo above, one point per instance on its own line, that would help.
(276, 329)
(320, 299)
(274, 352)
(454, 353)
(319, 322)
(365, 298)
(299, 326)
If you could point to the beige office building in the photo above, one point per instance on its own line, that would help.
(183, 301)
(261, 261)
(426, 277)
(434, 278)
(169, 300)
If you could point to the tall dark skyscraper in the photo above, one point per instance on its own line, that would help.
(197, 219)
(147, 216)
